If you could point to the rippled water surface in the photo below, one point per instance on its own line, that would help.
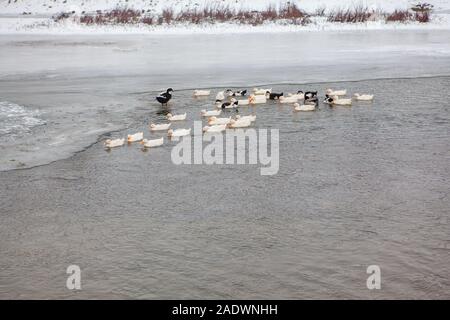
(357, 186)
(15, 119)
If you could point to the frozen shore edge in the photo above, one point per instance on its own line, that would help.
(30, 25)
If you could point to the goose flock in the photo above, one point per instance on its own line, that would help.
(227, 99)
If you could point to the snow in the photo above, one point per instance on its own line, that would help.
(39, 12)
(42, 7)
(43, 26)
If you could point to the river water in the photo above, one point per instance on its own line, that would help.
(359, 186)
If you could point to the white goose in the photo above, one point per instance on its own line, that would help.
(178, 132)
(341, 102)
(114, 143)
(299, 96)
(252, 118)
(152, 143)
(216, 121)
(305, 107)
(135, 137)
(177, 117)
(240, 123)
(258, 91)
(332, 92)
(220, 96)
(202, 93)
(160, 127)
(211, 113)
(363, 97)
(257, 99)
(243, 102)
(292, 99)
(215, 128)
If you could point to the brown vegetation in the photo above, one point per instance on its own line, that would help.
(217, 13)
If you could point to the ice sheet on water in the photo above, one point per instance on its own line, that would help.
(16, 120)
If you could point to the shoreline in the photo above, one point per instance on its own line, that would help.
(29, 25)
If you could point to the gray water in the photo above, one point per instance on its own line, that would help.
(84, 86)
(356, 187)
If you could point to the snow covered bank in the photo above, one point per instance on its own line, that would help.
(45, 26)
(50, 7)
(35, 16)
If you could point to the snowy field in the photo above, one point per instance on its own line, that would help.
(29, 16)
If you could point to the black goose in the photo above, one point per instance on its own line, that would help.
(273, 96)
(165, 97)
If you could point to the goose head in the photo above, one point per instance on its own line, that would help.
(107, 141)
(152, 125)
(356, 95)
(169, 132)
(143, 141)
(296, 105)
(299, 92)
(205, 128)
(170, 90)
(169, 115)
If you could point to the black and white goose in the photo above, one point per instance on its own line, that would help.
(328, 100)
(229, 105)
(240, 93)
(311, 96)
(165, 97)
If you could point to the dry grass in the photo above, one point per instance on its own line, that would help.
(167, 15)
(215, 13)
(399, 16)
(148, 20)
(288, 13)
(320, 12)
(407, 16)
(355, 15)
